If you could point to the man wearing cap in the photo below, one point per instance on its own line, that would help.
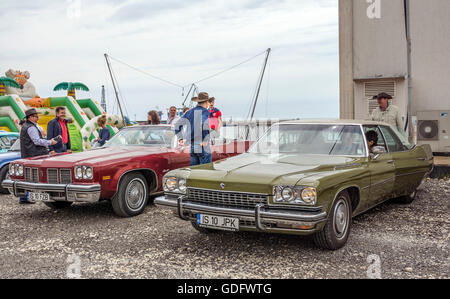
(197, 130)
(32, 143)
(387, 113)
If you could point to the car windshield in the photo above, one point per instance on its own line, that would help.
(15, 147)
(143, 136)
(314, 139)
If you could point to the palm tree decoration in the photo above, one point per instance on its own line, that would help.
(5, 81)
(71, 87)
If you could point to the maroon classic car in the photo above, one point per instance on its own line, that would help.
(127, 170)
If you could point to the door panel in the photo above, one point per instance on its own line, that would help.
(411, 165)
(382, 181)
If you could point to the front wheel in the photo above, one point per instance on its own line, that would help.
(57, 205)
(4, 174)
(337, 229)
(132, 196)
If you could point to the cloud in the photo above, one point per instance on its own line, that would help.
(182, 41)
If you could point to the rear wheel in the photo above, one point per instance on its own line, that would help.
(4, 174)
(203, 230)
(132, 195)
(407, 199)
(57, 205)
(337, 229)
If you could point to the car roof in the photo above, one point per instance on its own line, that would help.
(148, 126)
(6, 133)
(336, 122)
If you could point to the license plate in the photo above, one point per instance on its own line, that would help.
(35, 196)
(218, 222)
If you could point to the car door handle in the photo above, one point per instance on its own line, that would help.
(421, 159)
(390, 162)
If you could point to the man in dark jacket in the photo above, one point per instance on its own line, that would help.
(56, 127)
(32, 143)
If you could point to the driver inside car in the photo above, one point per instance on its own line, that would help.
(372, 142)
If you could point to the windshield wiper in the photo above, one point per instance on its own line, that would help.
(334, 145)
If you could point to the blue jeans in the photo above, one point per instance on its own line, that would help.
(200, 157)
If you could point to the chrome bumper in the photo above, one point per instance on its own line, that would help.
(262, 216)
(57, 192)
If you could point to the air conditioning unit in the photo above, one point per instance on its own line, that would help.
(433, 127)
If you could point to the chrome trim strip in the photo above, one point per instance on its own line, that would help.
(411, 173)
(180, 207)
(266, 213)
(51, 187)
(382, 182)
(258, 223)
(227, 191)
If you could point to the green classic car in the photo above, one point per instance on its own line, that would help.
(301, 177)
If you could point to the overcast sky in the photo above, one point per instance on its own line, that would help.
(182, 41)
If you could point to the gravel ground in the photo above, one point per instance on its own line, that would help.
(411, 241)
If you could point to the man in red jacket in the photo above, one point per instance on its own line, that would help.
(56, 127)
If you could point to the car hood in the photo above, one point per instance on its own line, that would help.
(9, 156)
(101, 156)
(259, 172)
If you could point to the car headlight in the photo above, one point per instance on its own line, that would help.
(287, 194)
(174, 185)
(182, 185)
(12, 169)
(78, 172)
(19, 170)
(88, 173)
(309, 195)
(84, 172)
(294, 195)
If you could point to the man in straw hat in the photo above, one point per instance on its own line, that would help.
(32, 143)
(197, 130)
(387, 113)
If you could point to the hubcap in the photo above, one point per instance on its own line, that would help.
(341, 218)
(135, 194)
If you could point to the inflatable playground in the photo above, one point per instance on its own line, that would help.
(17, 95)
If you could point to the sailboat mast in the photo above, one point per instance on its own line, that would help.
(115, 89)
(259, 84)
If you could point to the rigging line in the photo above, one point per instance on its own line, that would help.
(255, 92)
(268, 86)
(146, 73)
(121, 94)
(230, 68)
(119, 91)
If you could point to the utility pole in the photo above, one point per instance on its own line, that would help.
(115, 89)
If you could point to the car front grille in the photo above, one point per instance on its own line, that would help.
(31, 175)
(52, 176)
(226, 198)
(59, 176)
(66, 176)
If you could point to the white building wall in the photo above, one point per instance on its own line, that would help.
(430, 57)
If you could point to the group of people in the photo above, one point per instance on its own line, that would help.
(195, 127)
